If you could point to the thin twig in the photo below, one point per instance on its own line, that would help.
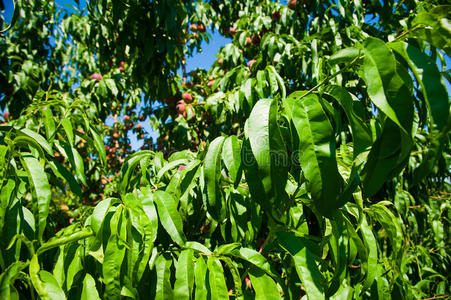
(438, 297)
(330, 76)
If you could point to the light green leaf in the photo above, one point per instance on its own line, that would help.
(38, 138)
(264, 286)
(212, 173)
(89, 289)
(231, 156)
(169, 216)
(99, 145)
(41, 190)
(270, 154)
(52, 287)
(306, 267)
(218, 287)
(68, 129)
(316, 151)
(201, 278)
(184, 275)
(163, 267)
(429, 78)
(379, 72)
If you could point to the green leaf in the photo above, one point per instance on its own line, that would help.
(387, 158)
(270, 154)
(344, 55)
(316, 151)
(184, 275)
(430, 160)
(171, 165)
(212, 173)
(429, 78)
(89, 291)
(68, 129)
(60, 171)
(218, 287)
(128, 168)
(38, 138)
(394, 231)
(231, 155)
(141, 243)
(435, 29)
(198, 247)
(371, 245)
(338, 245)
(99, 145)
(254, 257)
(163, 267)
(113, 258)
(41, 188)
(361, 135)
(99, 213)
(65, 239)
(272, 73)
(264, 286)
(76, 161)
(201, 278)
(233, 268)
(8, 277)
(49, 124)
(146, 199)
(169, 216)
(379, 73)
(306, 267)
(52, 287)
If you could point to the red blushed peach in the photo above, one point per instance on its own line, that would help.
(181, 107)
(187, 97)
(96, 76)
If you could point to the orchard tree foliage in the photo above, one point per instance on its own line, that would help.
(311, 160)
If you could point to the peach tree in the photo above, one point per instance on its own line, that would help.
(310, 161)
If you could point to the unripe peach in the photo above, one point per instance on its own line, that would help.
(248, 41)
(181, 168)
(210, 83)
(126, 118)
(220, 61)
(250, 63)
